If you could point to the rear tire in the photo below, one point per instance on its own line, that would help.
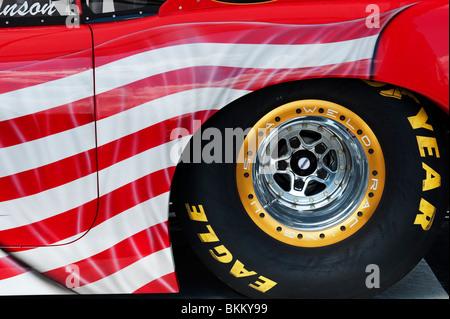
(349, 204)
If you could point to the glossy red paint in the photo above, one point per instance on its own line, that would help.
(28, 45)
(31, 56)
(282, 11)
(413, 51)
(124, 161)
(279, 11)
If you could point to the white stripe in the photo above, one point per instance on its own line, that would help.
(46, 95)
(133, 276)
(142, 65)
(30, 283)
(46, 150)
(138, 166)
(127, 70)
(107, 234)
(37, 207)
(3, 254)
(58, 146)
(33, 208)
(153, 112)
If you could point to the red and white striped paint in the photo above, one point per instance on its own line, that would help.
(87, 188)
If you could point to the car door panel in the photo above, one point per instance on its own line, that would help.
(47, 135)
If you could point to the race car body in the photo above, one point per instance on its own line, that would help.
(98, 100)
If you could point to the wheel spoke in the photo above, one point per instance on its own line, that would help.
(305, 167)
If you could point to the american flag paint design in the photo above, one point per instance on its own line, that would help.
(87, 200)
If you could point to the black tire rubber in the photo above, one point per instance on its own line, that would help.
(257, 265)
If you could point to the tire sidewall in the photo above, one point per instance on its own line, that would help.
(390, 239)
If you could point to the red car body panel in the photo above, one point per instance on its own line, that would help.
(90, 118)
(53, 54)
(419, 33)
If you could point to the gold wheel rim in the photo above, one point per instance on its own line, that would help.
(368, 200)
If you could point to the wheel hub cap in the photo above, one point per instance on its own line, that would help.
(303, 163)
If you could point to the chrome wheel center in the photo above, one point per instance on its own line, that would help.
(310, 173)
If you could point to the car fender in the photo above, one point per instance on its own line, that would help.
(413, 51)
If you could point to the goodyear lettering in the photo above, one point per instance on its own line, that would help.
(239, 271)
(398, 93)
(263, 284)
(426, 216)
(221, 254)
(198, 216)
(427, 148)
(375, 84)
(208, 237)
(432, 180)
(420, 120)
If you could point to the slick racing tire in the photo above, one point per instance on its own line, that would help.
(333, 189)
